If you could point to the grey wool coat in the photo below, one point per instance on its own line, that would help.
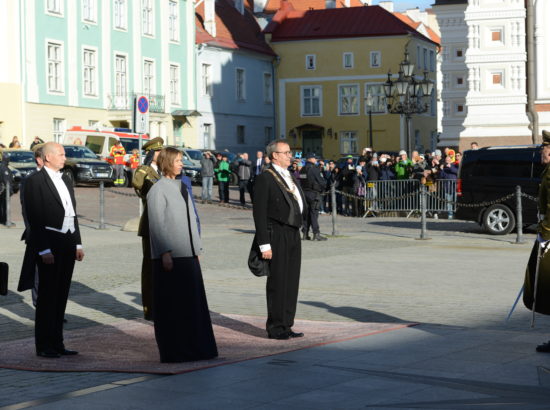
(172, 225)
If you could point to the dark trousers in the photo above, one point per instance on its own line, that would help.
(146, 279)
(349, 202)
(223, 191)
(53, 291)
(284, 279)
(313, 200)
(244, 185)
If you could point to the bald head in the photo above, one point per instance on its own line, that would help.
(54, 155)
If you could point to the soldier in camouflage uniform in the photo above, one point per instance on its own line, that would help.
(543, 241)
(144, 178)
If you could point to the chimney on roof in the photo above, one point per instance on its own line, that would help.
(388, 5)
(210, 17)
(366, 2)
(330, 4)
(239, 5)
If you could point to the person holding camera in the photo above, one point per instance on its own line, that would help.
(403, 167)
(207, 172)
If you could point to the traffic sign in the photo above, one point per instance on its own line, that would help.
(141, 115)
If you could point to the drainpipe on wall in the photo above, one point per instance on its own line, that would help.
(531, 86)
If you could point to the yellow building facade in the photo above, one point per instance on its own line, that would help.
(323, 86)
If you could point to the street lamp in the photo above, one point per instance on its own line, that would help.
(370, 102)
(406, 95)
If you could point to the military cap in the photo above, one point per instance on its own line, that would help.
(155, 144)
(545, 137)
(311, 155)
(37, 147)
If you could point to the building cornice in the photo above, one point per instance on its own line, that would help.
(497, 100)
(520, 56)
(494, 14)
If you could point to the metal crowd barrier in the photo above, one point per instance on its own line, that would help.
(404, 196)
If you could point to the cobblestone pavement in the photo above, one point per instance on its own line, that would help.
(375, 270)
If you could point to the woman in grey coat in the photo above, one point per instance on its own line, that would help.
(183, 328)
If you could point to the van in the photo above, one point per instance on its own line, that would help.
(101, 140)
(488, 174)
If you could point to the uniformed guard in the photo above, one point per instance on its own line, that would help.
(540, 258)
(144, 178)
(312, 183)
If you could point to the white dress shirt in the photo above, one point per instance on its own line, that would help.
(259, 166)
(295, 191)
(68, 221)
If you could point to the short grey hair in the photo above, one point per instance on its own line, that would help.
(272, 146)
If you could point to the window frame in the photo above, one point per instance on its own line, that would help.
(313, 58)
(61, 65)
(375, 53)
(268, 87)
(352, 62)
(173, 20)
(381, 93)
(241, 139)
(57, 134)
(122, 7)
(94, 78)
(302, 97)
(206, 74)
(148, 18)
(175, 84)
(151, 77)
(340, 87)
(240, 86)
(52, 12)
(350, 138)
(123, 56)
(93, 7)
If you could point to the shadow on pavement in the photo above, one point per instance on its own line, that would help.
(357, 314)
(102, 301)
(237, 325)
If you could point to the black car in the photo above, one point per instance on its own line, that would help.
(84, 166)
(193, 172)
(21, 164)
(489, 174)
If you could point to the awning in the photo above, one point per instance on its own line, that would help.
(186, 113)
(310, 126)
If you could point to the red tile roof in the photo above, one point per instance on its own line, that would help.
(233, 29)
(290, 24)
(273, 6)
(415, 24)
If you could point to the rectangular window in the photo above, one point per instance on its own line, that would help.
(89, 74)
(375, 59)
(348, 60)
(175, 84)
(425, 58)
(240, 84)
(268, 134)
(459, 53)
(120, 76)
(348, 99)
(496, 35)
(240, 134)
(311, 101)
(207, 135)
(58, 129)
(89, 10)
(310, 62)
(418, 58)
(147, 17)
(173, 20)
(55, 67)
(460, 81)
(497, 78)
(206, 80)
(54, 6)
(432, 60)
(120, 9)
(148, 77)
(375, 99)
(348, 142)
(268, 88)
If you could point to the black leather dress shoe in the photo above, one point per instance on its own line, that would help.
(318, 237)
(293, 335)
(50, 354)
(280, 336)
(67, 352)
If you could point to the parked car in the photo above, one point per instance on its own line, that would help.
(192, 171)
(488, 174)
(194, 155)
(84, 166)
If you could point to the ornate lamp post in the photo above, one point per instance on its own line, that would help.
(370, 102)
(406, 95)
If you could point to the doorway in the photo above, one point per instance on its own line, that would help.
(312, 141)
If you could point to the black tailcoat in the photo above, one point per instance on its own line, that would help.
(278, 219)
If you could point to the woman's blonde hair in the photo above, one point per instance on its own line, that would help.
(165, 160)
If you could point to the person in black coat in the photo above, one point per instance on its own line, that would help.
(312, 183)
(6, 179)
(279, 208)
(50, 207)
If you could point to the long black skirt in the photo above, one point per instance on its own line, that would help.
(183, 328)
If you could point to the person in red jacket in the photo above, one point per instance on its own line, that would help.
(117, 154)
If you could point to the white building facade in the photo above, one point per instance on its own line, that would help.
(484, 65)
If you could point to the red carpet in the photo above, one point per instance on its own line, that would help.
(130, 347)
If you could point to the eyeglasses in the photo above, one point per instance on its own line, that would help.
(284, 152)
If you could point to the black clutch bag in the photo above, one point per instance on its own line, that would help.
(257, 265)
(4, 268)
